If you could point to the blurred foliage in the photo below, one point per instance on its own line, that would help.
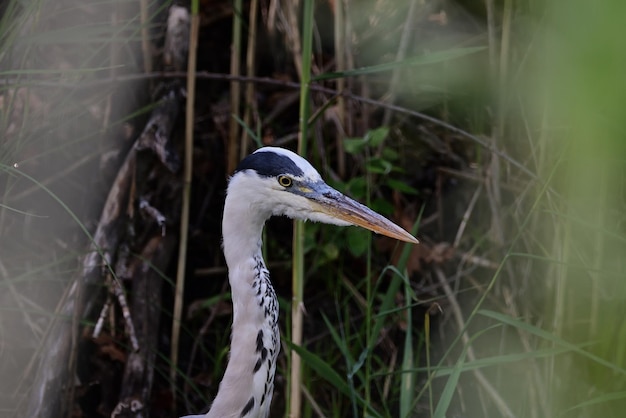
(534, 260)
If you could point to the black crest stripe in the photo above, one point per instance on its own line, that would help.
(269, 164)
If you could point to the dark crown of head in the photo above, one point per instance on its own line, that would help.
(269, 164)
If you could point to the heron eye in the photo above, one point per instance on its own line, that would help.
(285, 181)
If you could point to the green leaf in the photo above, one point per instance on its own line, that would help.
(357, 241)
(357, 187)
(379, 166)
(382, 206)
(339, 342)
(450, 388)
(212, 301)
(354, 145)
(375, 137)
(331, 251)
(325, 370)
(401, 186)
(328, 373)
(372, 138)
(390, 154)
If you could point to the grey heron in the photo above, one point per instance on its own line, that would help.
(271, 181)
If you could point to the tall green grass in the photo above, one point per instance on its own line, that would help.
(544, 335)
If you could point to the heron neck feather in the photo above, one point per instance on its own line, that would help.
(247, 386)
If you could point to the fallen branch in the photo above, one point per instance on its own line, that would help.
(146, 308)
(57, 356)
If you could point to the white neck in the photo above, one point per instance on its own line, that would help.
(247, 386)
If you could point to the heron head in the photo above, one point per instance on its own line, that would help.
(276, 181)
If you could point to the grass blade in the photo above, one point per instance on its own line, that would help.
(433, 58)
(550, 337)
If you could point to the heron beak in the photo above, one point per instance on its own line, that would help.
(335, 204)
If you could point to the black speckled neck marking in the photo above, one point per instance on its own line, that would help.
(246, 409)
(270, 164)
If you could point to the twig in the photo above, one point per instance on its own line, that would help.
(147, 281)
(466, 216)
(196, 342)
(340, 60)
(235, 88)
(250, 103)
(314, 405)
(154, 213)
(292, 33)
(407, 33)
(118, 292)
(184, 221)
(156, 134)
(97, 329)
